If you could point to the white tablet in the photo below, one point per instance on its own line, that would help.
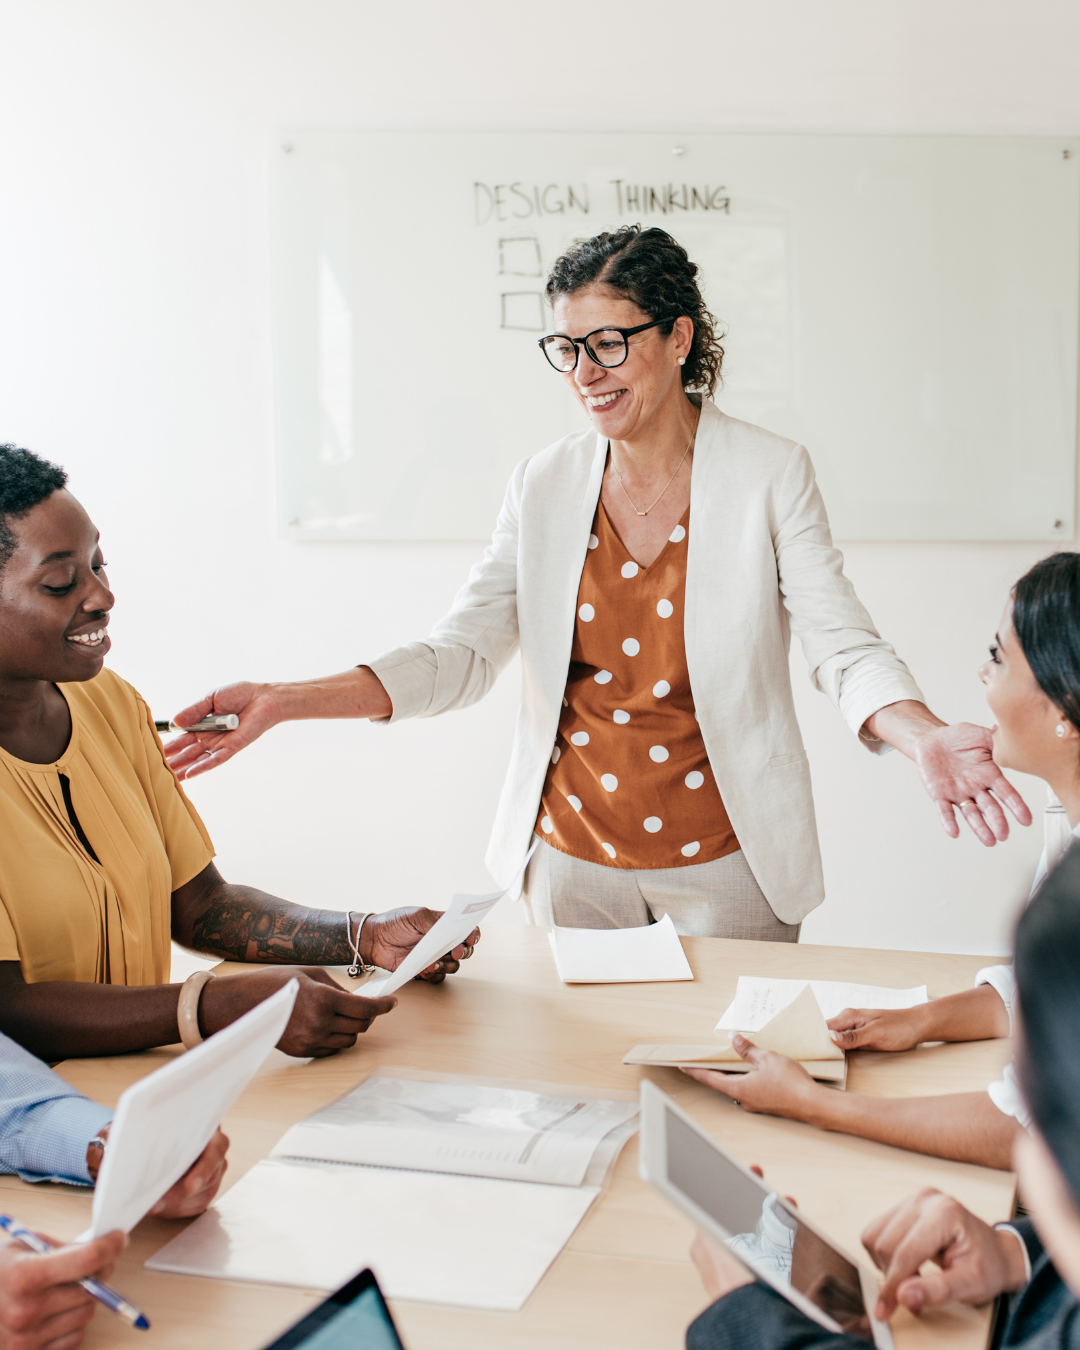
(778, 1244)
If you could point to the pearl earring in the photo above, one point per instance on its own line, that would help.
(682, 360)
(1060, 729)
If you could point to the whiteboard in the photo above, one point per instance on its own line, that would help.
(907, 307)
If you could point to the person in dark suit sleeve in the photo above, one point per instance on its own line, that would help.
(1032, 1263)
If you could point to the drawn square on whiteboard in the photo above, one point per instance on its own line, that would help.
(523, 309)
(520, 257)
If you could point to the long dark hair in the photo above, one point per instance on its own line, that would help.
(1047, 968)
(1046, 617)
(655, 272)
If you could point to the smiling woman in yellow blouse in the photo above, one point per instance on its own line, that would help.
(104, 859)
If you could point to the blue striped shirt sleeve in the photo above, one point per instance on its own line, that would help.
(45, 1125)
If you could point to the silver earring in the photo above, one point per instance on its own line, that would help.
(1060, 729)
(682, 360)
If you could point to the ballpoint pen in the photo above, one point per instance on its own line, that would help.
(224, 722)
(115, 1302)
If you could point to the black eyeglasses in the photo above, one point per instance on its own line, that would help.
(608, 347)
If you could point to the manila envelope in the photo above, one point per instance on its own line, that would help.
(798, 1031)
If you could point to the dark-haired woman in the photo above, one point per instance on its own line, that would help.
(650, 569)
(103, 858)
(1034, 1262)
(1032, 682)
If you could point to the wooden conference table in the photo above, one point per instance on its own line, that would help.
(625, 1279)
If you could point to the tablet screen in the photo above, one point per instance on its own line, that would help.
(768, 1234)
(355, 1318)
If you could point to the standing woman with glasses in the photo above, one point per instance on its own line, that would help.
(651, 569)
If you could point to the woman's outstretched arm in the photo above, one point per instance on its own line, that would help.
(964, 1127)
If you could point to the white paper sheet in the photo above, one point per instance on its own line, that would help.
(165, 1121)
(620, 955)
(467, 1241)
(450, 931)
(459, 1128)
(759, 998)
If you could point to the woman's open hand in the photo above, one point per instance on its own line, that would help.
(198, 752)
(775, 1086)
(957, 767)
(388, 938)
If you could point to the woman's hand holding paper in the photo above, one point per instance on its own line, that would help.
(975, 1262)
(973, 1015)
(388, 938)
(878, 1028)
(775, 1085)
(199, 1184)
(325, 1018)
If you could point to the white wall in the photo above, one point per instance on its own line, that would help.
(135, 349)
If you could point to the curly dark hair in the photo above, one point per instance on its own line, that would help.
(653, 270)
(25, 480)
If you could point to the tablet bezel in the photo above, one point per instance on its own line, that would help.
(294, 1337)
(653, 1165)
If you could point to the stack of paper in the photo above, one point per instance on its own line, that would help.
(759, 998)
(620, 955)
(452, 1191)
(798, 1031)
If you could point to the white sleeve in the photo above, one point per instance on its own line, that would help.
(465, 652)
(1004, 981)
(1007, 1097)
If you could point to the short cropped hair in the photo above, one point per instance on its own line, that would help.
(25, 480)
(1047, 965)
(653, 270)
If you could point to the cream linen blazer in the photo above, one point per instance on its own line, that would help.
(761, 565)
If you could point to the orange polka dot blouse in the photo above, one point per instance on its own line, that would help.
(630, 783)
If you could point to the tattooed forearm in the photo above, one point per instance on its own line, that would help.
(243, 924)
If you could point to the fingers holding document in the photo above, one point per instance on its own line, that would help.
(325, 1018)
(775, 1085)
(199, 1184)
(393, 934)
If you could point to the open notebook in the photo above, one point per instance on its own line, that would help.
(421, 1177)
(797, 1030)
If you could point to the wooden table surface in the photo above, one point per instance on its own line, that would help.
(625, 1279)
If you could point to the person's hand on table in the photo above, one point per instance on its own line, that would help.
(975, 1262)
(775, 1085)
(193, 753)
(386, 940)
(199, 1184)
(41, 1305)
(324, 1019)
(956, 764)
(878, 1028)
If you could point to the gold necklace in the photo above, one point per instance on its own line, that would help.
(669, 482)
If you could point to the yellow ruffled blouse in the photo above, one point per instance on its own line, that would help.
(64, 916)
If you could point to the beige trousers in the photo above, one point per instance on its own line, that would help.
(713, 899)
